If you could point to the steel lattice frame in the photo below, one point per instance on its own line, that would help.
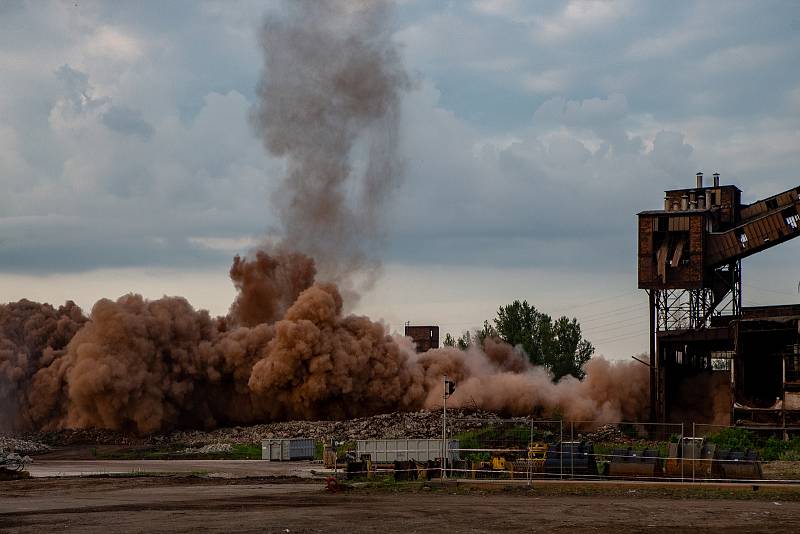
(692, 309)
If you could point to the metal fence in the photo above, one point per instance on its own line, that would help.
(524, 450)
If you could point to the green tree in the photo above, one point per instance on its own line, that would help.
(465, 341)
(487, 331)
(448, 340)
(557, 345)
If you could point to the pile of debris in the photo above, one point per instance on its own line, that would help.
(81, 436)
(422, 424)
(12, 465)
(22, 446)
(608, 433)
(211, 448)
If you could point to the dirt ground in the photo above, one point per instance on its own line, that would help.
(208, 468)
(190, 504)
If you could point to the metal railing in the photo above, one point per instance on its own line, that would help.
(525, 449)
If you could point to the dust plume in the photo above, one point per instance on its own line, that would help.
(144, 366)
(501, 378)
(32, 335)
(268, 284)
(328, 103)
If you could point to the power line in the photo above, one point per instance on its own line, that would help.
(617, 317)
(630, 324)
(584, 304)
(607, 313)
(619, 338)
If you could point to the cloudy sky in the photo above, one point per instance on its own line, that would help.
(533, 134)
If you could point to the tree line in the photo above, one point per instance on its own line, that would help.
(555, 344)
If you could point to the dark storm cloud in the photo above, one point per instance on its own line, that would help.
(536, 130)
(77, 90)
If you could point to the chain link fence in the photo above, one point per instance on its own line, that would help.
(525, 449)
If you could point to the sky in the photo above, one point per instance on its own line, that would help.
(532, 134)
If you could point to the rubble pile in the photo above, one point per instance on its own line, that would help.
(422, 424)
(94, 436)
(211, 448)
(21, 446)
(608, 433)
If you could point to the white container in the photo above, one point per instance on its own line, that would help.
(276, 450)
(403, 450)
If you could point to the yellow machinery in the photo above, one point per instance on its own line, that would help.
(512, 462)
(537, 455)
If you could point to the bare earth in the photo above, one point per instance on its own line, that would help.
(185, 504)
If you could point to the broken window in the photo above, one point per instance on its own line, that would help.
(742, 238)
(721, 360)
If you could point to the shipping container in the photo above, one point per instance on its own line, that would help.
(287, 449)
(391, 450)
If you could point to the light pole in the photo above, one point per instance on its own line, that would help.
(449, 388)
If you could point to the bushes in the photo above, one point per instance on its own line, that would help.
(770, 448)
(734, 439)
(778, 449)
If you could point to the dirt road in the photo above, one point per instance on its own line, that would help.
(212, 468)
(161, 504)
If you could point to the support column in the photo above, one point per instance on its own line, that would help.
(653, 360)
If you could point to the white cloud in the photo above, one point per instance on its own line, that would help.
(590, 111)
(663, 45)
(546, 82)
(504, 8)
(742, 58)
(793, 99)
(577, 17)
(114, 43)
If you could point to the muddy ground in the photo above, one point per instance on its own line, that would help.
(194, 504)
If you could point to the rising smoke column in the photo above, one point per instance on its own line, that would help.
(268, 284)
(329, 105)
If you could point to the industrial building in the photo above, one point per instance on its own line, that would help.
(708, 353)
(425, 338)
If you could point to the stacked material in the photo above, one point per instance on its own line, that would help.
(419, 425)
(21, 446)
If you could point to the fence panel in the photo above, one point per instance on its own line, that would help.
(525, 449)
(503, 449)
(749, 453)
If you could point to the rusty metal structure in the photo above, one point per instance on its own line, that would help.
(702, 340)
(424, 337)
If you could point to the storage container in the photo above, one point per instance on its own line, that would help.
(287, 449)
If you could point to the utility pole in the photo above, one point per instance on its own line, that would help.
(444, 428)
(449, 388)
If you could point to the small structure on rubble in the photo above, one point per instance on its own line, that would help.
(707, 352)
(424, 337)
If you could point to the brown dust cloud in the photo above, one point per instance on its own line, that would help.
(329, 105)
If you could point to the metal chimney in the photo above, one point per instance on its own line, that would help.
(699, 180)
(666, 203)
(716, 179)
